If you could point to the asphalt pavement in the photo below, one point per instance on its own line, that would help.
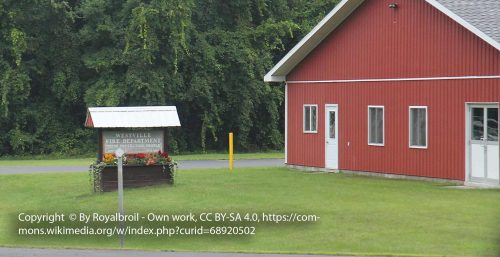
(31, 252)
(183, 165)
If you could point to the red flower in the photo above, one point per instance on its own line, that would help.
(140, 156)
(164, 154)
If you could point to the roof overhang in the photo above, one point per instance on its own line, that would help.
(312, 40)
(341, 11)
(132, 117)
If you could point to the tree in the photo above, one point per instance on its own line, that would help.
(206, 57)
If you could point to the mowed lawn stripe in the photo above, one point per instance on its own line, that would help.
(359, 215)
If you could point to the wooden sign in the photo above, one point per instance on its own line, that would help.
(133, 141)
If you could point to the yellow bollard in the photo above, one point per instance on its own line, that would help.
(231, 157)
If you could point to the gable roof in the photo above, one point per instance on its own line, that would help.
(132, 117)
(481, 17)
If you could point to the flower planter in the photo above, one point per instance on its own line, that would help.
(133, 176)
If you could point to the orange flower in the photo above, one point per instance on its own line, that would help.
(109, 158)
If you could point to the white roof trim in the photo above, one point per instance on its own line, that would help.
(342, 10)
(132, 117)
(310, 41)
(465, 24)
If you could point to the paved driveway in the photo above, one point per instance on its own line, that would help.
(183, 165)
(28, 252)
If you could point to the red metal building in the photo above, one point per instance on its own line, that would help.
(407, 87)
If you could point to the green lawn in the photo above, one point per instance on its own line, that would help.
(359, 215)
(88, 161)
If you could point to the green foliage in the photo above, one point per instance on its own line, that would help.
(15, 88)
(18, 44)
(206, 57)
(95, 172)
(20, 141)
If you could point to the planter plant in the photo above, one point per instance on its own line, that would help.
(140, 169)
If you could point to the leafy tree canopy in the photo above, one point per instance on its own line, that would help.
(207, 57)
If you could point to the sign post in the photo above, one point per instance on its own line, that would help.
(119, 154)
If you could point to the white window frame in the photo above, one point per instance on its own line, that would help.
(426, 127)
(310, 119)
(383, 124)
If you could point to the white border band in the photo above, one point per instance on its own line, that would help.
(387, 80)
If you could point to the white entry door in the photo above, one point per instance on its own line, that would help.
(331, 135)
(483, 142)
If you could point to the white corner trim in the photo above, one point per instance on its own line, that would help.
(465, 24)
(286, 123)
(390, 79)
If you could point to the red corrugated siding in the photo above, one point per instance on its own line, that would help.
(445, 156)
(415, 40)
(377, 42)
